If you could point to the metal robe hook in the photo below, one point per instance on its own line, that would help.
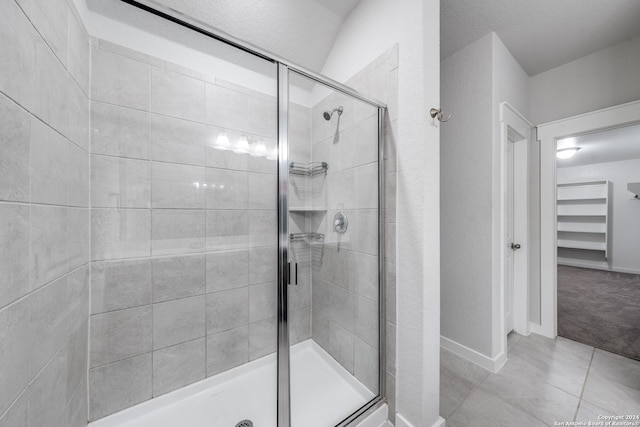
(436, 113)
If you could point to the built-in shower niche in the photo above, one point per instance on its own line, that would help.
(306, 180)
(305, 175)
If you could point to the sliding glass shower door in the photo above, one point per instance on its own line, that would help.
(184, 219)
(333, 252)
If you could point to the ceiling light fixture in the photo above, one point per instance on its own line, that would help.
(567, 153)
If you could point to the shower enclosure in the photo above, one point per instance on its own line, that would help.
(230, 256)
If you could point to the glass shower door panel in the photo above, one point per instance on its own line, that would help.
(242, 254)
(184, 167)
(333, 251)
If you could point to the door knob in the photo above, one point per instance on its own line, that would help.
(515, 246)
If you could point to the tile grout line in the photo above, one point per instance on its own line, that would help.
(89, 135)
(150, 255)
(560, 388)
(470, 393)
(584, 385)
(535, 416)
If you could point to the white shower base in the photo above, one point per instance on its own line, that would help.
(323, 393)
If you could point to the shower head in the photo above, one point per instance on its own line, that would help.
(328, 114)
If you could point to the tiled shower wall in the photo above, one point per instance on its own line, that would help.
(345, 268)
(183, 235)
(44, 214)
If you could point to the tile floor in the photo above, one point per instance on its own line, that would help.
(544, 381)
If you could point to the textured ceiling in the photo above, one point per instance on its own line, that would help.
(300, 31)
(142, 20)
(341, 7)
(611, 145)
(540, 34)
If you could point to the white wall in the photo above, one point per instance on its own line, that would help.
(373, 27)
(466, 176)
(510, 82)
(470, 266)
(475, 80)
(603, 79)
(624, 249)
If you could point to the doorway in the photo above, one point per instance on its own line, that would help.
(598, 251)
(572, 236)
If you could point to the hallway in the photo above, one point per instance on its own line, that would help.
(544, 381)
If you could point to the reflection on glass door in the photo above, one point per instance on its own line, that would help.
(183, 172)
(333, 307)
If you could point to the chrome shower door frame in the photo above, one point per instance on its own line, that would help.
(284, 68)
(284, 402)
(284, 371)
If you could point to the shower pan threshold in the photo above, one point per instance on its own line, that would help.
(322, 393)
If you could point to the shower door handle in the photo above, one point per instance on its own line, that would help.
(295, 276)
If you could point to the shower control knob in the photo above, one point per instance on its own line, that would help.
(340, 222)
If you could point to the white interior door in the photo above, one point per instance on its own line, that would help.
(516, 139)
(509, 235)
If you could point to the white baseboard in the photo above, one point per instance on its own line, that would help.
(492, 364)
(402, 422)
(587, 264)
(537, 329)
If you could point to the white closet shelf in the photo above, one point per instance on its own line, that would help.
(580, 244)
(582, 211)
(583, 190)
(582, 227)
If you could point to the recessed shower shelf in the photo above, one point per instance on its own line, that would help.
(308, 169)
(306, 237)
(304, 209)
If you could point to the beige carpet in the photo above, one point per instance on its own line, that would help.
(600, 308)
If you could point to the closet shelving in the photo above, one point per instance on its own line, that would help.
(583, 215)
